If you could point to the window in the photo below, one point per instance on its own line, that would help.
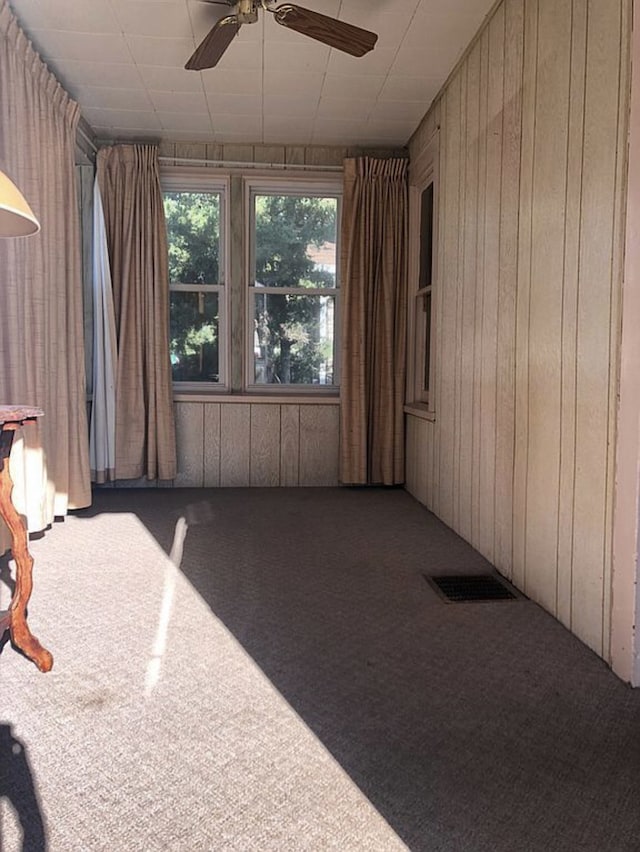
(292, 286)
(272, 329)
(423, 297)
(423, 222)
(196, 238)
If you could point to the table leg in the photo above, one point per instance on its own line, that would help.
(21, 636)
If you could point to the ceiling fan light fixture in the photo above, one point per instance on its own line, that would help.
(247, 12)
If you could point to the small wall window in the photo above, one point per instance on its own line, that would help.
(292, 286)
(198, 329)
(423, 312)
(423, 221)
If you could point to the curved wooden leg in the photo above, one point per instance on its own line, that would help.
(21, 636)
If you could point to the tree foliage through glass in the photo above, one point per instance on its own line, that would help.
(193, 230)
(294, 251)
(295, 245)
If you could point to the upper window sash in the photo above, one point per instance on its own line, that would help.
(200, 181)
(190, 180)
(297, 188)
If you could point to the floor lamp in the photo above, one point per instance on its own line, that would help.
(17, 220)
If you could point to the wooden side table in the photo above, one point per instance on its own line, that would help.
(15, 618)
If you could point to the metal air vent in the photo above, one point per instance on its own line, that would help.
(455, 588)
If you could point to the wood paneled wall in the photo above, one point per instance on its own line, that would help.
(256, 444)
(532, 142)
(287, 155)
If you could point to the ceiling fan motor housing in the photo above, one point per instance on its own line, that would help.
(247, 12)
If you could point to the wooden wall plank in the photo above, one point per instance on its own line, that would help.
(622, 189)
(459, 348)
(212, 444)
(427, 449)
(319, 155)
(189, 446)
(440, 120)
(214, 152)
(570, 312)
(265, 445)
(507, 285)
(294, 155)
(235, 443)
(468, 295)
(448, 286)
(289, 444)
(269, 153)
(594, 317)
(167, 149)
(411, 456)
(545, 316)
(422, 473)
(478, 310)
(319, 430)
(491, 271)
(419, 459)
(425, 131)
(521, 442)
(234, 153)
(191, 150)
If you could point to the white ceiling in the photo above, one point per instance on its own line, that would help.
(123, 62)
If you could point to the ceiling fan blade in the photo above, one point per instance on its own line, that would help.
(331, 31)
(210, 50)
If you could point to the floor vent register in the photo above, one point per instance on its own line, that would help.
(455, 588)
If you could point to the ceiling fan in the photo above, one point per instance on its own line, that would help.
(331, 31)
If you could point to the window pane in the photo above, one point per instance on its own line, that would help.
(194, 336)
(426, 355)
(426, 237)
(193, 232)
(295, 241)
(293, 339)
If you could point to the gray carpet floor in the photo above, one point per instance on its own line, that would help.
(262, 669)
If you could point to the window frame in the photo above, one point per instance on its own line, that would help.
(179, 179)
(423, 173)
(303, 187)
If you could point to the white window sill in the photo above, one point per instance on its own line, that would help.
(259, 399)
(421, 410)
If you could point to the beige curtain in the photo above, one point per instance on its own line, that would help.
(373, 278)
(129, 180)
(41, 325)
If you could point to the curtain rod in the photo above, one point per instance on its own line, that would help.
(231, 164)
(226, 163)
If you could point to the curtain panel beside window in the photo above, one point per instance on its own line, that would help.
(374, 277)
(102, 426)
(129, 180)
(41, 323)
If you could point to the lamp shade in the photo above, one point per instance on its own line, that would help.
(16, 217)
